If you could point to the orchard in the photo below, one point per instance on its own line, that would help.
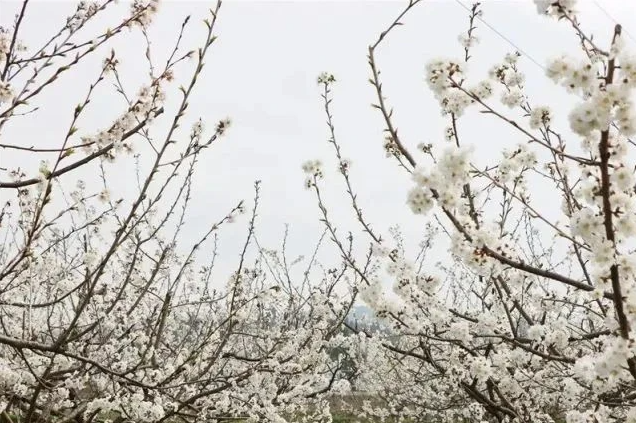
(518, 304)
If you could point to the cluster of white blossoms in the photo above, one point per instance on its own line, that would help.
(441, 76)
(511, 78)
(468, 41)
(627, 71)
(143, 11)
(197, 129)
(519, 159)
(344, 166)
(444, 182)
(5, 44)
(514, 78)
(148, 102)
(234, 352)
(439, 73)
(557, 8)
(326, 78)
(603, 414)
(579, 77)
(446, 79)
(483, 90)
(540, 117)
(6, 93)
(604, 103)
(372, 293)
(420, 200)
(313, 170)
(222, 126)
(513, 98)
(589, 221)
(85, 10)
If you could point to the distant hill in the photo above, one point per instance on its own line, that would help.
(361, 311)
(365, 318)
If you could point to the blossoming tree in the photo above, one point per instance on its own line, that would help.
(531, 318)
(106, 312)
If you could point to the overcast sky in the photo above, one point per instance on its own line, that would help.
(262, 73)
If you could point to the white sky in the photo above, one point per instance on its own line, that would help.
(262, 73)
